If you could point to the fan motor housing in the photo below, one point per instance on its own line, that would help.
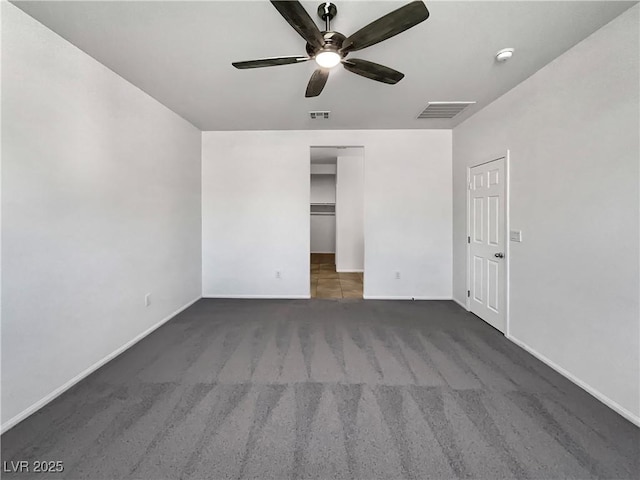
(332, 41)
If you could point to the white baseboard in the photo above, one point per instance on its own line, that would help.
(588, 388)
(346, 270)
(385, 297)
(401, 297)
(275, 297)
(433, 298)
(462, 304)
(63, 388)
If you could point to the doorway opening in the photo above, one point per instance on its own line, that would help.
(336, 257)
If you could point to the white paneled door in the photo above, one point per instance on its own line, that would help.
(487, 242)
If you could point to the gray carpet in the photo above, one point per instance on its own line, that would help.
(326, 389)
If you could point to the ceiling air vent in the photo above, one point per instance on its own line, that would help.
(444, 109)
(318, 115)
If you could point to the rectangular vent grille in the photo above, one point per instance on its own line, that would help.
(444, 109)
(319, 115)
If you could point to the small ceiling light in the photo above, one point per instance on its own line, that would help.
(328, 59)
(504, 54)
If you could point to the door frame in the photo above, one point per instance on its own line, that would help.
(507, 225)
(364, 206)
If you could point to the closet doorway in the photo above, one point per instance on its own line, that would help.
(337, 222)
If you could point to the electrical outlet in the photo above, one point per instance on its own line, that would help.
(278, 274)
(397, 275)
(147, 300)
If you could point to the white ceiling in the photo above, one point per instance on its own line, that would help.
(181, 52)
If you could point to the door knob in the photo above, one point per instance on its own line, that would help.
(499, 255)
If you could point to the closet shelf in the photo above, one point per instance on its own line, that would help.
(323, 209)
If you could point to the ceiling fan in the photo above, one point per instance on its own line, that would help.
(329, 48)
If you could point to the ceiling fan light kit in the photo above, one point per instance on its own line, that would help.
(329, 48)
(328, 59)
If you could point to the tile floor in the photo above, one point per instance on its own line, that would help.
(327, 283)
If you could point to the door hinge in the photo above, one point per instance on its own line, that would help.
(468, 239)
(468, 293)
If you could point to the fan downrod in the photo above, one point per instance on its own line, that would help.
(332, 40)
(326, 11)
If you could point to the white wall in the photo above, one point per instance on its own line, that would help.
(350, 211)
(323, 169)
(101, 205)
(572, 132)
(323, 233)
(323, 188)
(255, 211)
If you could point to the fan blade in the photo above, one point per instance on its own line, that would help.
(299, 19)
(373, 71)
(317, 82)
(269, 62)
(386, 27)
